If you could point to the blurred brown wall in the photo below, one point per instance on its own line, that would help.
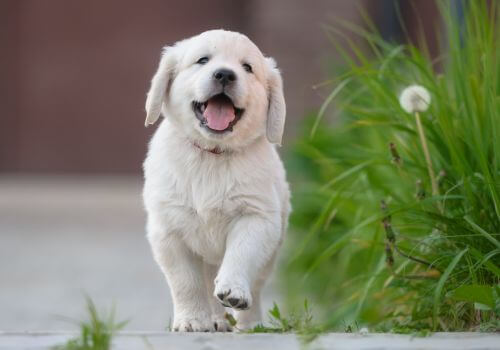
(74, 73)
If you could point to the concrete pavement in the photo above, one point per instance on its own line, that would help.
(219, 341)
(61, 237)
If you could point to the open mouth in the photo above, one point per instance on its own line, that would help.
(218, 114)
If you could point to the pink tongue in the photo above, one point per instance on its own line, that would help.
(219, 114)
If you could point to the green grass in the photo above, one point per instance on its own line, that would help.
(299, 322)
(371, 243)
(279, 323)
(96, 333)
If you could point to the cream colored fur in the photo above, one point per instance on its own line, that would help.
(215, 221)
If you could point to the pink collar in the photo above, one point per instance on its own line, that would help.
(215, 150)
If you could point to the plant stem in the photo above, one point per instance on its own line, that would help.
(435, 189)
(420, 261)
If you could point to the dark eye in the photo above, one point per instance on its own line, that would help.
(202, 60)
(247, 67)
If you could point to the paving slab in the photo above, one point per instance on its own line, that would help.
(218, 341)
(62, 237)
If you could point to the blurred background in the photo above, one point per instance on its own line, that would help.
(74, 75)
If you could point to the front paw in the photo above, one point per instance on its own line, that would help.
(187, 324)
(233, 294)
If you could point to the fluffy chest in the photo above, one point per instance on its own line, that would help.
(200, 195)
(203, 205)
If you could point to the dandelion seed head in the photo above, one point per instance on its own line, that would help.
(415, 98)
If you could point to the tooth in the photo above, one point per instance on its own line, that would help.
(202, 107)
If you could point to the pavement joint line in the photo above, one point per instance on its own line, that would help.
(134, 340)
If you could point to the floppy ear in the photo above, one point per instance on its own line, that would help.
(277, 108)
(159, 85)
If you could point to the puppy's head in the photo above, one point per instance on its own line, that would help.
(219, 89)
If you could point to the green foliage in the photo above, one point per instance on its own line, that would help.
(299, 323)
(475, 293)
(370, 241)
(96, 333)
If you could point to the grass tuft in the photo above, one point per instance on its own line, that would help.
(96, 333)
(300, 323)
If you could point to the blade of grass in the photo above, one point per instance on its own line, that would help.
(327, 102)
(482, 232)
(440, 285)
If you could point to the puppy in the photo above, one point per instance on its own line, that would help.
(215, 192)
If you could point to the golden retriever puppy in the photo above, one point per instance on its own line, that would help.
(215, 191)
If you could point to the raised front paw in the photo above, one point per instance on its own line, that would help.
(233, 294)
(186, 324)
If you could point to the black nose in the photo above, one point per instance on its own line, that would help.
(224, 76)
